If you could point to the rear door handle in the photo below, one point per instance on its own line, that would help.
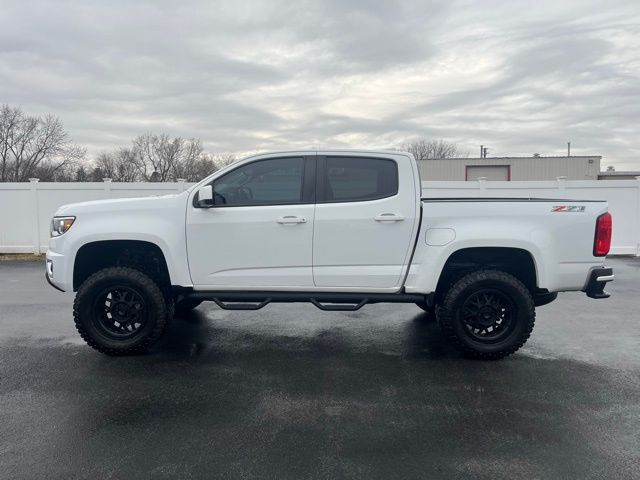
(291, 219)
(388, 217)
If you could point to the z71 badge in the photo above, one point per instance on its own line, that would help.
(568, 208)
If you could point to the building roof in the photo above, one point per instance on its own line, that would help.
(520, 158)
(620, 173)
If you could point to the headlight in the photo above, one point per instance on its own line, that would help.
(60, 225)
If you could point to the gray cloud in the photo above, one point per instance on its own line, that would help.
(517, 76)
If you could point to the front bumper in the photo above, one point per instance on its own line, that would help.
(56, 271)
(598, 278)
(46, 275)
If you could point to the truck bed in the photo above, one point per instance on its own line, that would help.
(557, 233)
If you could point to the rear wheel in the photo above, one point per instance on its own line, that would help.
(120, 311)
(487, 314)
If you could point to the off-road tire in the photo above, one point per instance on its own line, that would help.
(449, 314)
(157, 311)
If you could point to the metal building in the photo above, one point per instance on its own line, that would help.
(511, 168)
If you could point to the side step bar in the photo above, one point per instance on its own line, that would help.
(327, 301)
(241, 306)
(337, 307)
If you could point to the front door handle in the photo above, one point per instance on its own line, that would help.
(291, 219)
(388, 217)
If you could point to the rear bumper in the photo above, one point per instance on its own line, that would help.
(596, 281)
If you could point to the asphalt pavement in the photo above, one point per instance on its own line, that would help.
(291, 392)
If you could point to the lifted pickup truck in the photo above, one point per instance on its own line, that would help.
(339, 229)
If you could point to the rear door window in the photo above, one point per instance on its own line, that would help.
(353, 179)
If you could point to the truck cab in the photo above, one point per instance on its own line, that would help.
(324, 221)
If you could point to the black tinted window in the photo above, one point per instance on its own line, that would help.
(265, 182)
(350, 179)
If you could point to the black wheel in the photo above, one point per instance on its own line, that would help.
(186, 305)
(487, 314)
(120, 311)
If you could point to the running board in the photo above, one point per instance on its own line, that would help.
(327, 301)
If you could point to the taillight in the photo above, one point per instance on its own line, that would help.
(602, 241)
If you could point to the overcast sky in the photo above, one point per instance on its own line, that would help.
(245, 76)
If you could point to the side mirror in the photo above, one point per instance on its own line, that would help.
(205, 196)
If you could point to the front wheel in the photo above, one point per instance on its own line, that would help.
(487, 314)
(120, 311)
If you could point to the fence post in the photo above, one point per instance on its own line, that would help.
(482, 183)
(637, 217)
(33, 185)
(107, 187)
(562, 185)
(181, 184)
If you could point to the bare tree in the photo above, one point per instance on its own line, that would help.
(61, 168)
(423, 149)
(202, 168)
(159, 158)
(206, 164)
(105, 166)
(10, 120)
(29, 143)
(224, 159)
(126, 170)
(188, 162)
(120, 166)
(81, 174)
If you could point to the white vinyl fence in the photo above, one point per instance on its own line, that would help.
(26, 208)
(623, 197)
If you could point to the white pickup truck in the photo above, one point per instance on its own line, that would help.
(339, 229)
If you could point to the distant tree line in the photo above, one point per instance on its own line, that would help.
(155, 158)
(39, 147)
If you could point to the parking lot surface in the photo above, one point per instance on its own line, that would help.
(291, 392)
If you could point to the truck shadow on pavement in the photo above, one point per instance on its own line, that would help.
(194, 335)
